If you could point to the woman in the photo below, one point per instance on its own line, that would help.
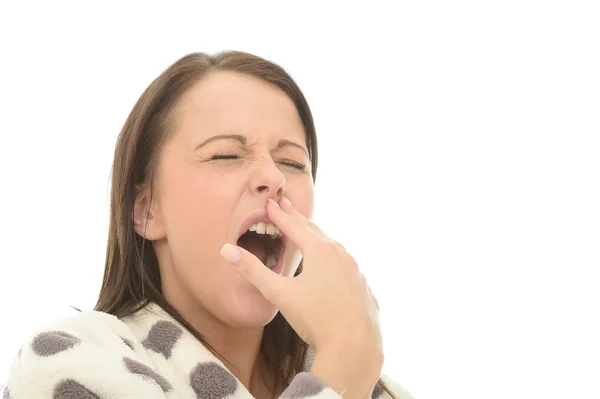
(216, 282)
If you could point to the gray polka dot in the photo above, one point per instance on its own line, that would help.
(162, 338)
(302, 386)
(70, 389)
(138, 368)
(377, 391)
(52, 342)
(5, 393)
(211, 381)
(128, 343)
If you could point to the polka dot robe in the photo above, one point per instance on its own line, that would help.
(93, 355)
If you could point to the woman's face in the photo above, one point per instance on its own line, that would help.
(237, 141)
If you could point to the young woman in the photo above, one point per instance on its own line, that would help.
(217, 284)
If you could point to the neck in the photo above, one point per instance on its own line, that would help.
(238, 348)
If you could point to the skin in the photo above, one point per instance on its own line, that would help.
(200, 202)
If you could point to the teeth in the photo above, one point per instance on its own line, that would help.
(271, 261)
(266, 228)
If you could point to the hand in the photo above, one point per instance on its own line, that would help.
(329, 304)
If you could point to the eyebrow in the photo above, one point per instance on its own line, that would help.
(242, 139)
(287, 143)
(237, 137)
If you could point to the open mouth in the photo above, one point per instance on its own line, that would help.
(266, 242)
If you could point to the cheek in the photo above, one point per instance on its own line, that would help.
(302, 198)
(198, 207)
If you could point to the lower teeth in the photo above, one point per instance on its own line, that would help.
(271, 261)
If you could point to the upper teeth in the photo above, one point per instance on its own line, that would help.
(266, 228)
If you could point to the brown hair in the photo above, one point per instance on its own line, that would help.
(131, 276)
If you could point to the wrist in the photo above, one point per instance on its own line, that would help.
(348, 371)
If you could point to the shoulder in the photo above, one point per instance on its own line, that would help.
(73, 334)
(76, 357)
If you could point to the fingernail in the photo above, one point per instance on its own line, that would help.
(272, 201)
(286, 201)
(231, 253)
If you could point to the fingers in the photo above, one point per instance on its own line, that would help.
(373, 298)
(291, 226)
(375, 302)
(287, 207)
(255, 272)
(300, 230)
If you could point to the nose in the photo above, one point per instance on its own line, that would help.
(267, 180)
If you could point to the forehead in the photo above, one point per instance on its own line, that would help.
(225, 102)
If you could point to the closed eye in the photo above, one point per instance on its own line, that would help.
(224, 156)
(287, 162)
(293, 164)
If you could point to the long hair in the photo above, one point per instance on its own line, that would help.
(131, 275)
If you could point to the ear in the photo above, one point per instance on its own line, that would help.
(145, 221)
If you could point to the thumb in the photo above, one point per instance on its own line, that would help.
(255, 272)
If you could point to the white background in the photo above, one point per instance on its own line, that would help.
(460, 164)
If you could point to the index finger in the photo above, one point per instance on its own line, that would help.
(288, 208)
(291, 226)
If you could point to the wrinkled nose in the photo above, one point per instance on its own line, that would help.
(267, 180)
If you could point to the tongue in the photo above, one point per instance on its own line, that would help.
(254, 246)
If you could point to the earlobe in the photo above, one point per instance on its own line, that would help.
(144, 221)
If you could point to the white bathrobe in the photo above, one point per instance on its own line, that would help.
(147, 355)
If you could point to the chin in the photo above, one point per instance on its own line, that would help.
(248, 308)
